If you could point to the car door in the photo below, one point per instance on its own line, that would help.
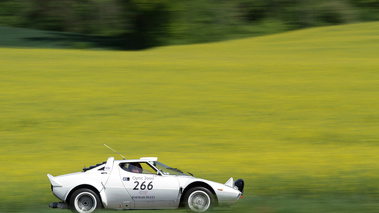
(147, 189)
(116, 195)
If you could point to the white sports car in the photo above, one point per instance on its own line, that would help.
(144, 183)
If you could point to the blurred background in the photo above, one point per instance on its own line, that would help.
(138, 24)
(281, 93)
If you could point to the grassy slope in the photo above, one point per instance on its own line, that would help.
(294, 114)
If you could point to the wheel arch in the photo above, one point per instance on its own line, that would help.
(197, 184)
(84, 186)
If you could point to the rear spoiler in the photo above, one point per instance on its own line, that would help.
(54, 182)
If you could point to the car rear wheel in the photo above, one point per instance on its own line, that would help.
(199, 199)
(84, 201)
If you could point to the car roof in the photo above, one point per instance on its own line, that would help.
(143, 159)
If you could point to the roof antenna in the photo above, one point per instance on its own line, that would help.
(114, 151)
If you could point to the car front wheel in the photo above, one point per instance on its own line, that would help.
(84, 201)
(199, 199)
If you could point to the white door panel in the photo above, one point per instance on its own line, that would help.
(150, 190)
(116, 195)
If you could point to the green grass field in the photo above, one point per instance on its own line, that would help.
(296, 115)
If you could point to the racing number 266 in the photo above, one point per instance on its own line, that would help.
(143, 185)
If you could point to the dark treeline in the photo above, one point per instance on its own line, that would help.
(147, 23)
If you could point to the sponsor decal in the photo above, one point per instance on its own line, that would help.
(143, 197)
(143, 177)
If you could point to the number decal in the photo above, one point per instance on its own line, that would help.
(136, 187)
(143, 185)
(150, 186)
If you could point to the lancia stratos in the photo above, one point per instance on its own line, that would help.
(143, 183)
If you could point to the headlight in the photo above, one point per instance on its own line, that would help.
(240, 184)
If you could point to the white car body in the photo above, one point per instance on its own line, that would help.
(153, 188)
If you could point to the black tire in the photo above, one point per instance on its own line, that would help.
(199, 199)
(84, 201)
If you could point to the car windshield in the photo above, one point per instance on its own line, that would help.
(166, 170)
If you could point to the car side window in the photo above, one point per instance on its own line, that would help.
(138, 167)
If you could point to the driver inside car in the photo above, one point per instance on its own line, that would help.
(135, 168)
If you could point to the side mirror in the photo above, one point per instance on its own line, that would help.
(159, 172)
